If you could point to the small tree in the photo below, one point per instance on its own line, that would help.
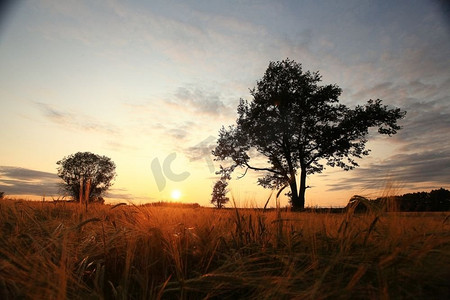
(86, 175)
(299, 126)
(219, 191)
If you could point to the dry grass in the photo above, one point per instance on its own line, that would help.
(60, 251)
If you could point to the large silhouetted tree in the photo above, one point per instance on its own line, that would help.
(299, 126)
(86, 171)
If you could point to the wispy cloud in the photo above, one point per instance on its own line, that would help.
(178, 130)
(201, 150)
(22, 181)
(426, 127)
(423, 152)
(122, 194)
(189, 114)
(197, 100)
(120, 146)
(416, 170)
(118, 194)
(77, 121)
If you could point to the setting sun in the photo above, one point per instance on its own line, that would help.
(224, 149)
(176, 195)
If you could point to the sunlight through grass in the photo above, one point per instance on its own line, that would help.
(60, 250)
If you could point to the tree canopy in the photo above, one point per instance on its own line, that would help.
(300, 126)
(83, 169)
(220, 190)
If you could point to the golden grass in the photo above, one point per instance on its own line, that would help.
(60, 251)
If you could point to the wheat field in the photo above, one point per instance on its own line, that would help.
(63, 251)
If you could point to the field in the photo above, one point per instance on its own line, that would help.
(61, 251)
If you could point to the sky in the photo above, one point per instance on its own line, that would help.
(150, 83)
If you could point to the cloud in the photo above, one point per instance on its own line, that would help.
(21, 181)
(427, 121)
(189, 114)
(121, 194)
(202, 150)
(119, 146)
(422, 158)
(163, 120)
(200, 101)
(416, 170)
(404, 93)
(426, 126)
(75, 121)
(179, 131)
(25, 174)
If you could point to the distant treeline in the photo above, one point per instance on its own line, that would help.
(173, 204)
(436, 200)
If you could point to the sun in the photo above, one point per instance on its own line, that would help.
(176, 194)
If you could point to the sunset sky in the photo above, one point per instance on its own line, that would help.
(144, 82)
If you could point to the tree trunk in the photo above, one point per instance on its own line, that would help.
(298, 196)
(302, 191)
(80, 192)
(295, 200)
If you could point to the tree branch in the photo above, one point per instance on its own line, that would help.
(264, 169)
(239, 177)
